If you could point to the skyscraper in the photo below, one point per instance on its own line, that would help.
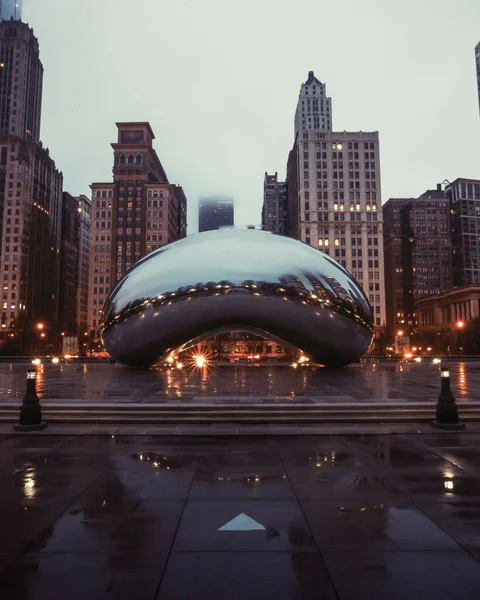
(418, 255)
(464, 198)
(477, 61)
(215, 212)
(30, 197)
(21, 79)
(11, 9)
(135, 214)
(68, 284)
(334, 193)
(84, 205)
(314, 109)
(274, 211)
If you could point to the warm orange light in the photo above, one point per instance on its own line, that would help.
(460, 324)
(42, 335)
(399, 333)
(408, 355)
(200, 361)
(40, 326)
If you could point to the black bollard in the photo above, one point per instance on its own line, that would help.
(447, 413)
(31, 410)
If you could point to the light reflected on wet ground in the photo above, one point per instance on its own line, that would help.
(233, 384)
(147, 517)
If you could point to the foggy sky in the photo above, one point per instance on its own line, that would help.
(219, 79)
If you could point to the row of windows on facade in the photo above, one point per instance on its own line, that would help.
(353, 185)
(130, 159)
(340, 217)
(340, 205)
(339, 146)
(341, 196)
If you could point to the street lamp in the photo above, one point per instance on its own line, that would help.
(460, 324)
(40, 326)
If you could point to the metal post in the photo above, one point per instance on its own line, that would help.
(447, 413)
(31, 410)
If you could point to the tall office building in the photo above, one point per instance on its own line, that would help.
(136, 213)
(477, 61)
(464, 198)
(314, 108)
(11, 9)
(334, 193)
(274, 211)
(418, 255)
(215, 212)
(84, 205)
(21, 79)
(68, 284)
(30, 196)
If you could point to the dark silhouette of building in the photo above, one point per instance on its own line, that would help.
(84, 205)
(215, 212)
(30, 199)
(69, 264)
(464, 198)
(274, 211)
(140, 211)
(21, 79)
(418, 255)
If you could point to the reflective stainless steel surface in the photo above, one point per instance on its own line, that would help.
(237, 279)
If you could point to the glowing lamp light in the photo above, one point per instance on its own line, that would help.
(460, 324)
(445, 373)
(437, 361)
(294, 365)
(36, 361)
(408, 355)
(200, 361)
(399, 333)
(55, 360)
(40, 326)
(418, 359)
(180, 365)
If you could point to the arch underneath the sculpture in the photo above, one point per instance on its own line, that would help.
(197, 342)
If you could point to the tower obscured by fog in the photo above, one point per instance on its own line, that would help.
(215, 212)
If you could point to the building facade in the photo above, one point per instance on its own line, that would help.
(418, 255)
(11, 9)
(274, 210)
(83, 208)
(21, 80)
(477, 63)
(215, 212)
(69, 263)
(464, 198)
(334, 193)
(450, 323)
(136, 213)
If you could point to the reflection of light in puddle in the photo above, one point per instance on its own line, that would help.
(29, 486)
(157, 461)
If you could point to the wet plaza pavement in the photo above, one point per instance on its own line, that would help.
(149, 517)
(102, 382)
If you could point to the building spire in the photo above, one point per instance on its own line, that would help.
(11, 9)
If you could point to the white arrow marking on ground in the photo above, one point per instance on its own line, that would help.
(242, 523)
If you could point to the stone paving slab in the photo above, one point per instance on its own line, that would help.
(101, 382)
(136, 514)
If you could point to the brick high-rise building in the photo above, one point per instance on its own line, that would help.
(215, 212)
(334, 193)
(464, 198)
(274, 211)
(136, 213)
(30, 198)
(11, 9)
(418, 255)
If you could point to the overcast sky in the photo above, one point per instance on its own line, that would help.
(219, 81)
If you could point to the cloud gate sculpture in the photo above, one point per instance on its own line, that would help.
(237, 280)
